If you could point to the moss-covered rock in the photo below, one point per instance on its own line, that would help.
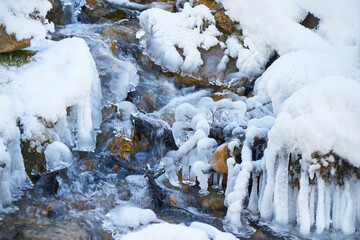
(16, 58)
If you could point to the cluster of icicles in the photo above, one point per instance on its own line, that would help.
(307, 200)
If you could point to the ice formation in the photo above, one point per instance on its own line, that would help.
(58, 156)
(118, 79)
(328, 108)
(304, 110)
(54, 98)
(16, 17)
(190, 131)
(164, 32)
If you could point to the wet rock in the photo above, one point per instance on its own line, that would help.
(178, 200)
(211, 4)
(191, 81)
(94, 3)
(53, 230)
(34, 161)
(167, 6)
(310, 21)
(114, 48)
(123, 33)
(108, 110)
(219, 157)
(90, 165)
(145, 102)
(223, 22)
(94, 15)
(154, 129)
(8, 42)
(123, 147)
(56, 13)
(213, 201)
(115, 15)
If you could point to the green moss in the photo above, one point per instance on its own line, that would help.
(16, 58)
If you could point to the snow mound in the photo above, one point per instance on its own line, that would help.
(128, 216)
(164, 32)
(56, 97)
(15, 16)
(269, 26)
(165, 231)
(320, 117)
(294, 70)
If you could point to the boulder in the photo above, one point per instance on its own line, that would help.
(8, 42)
(223, 22)
(56, 13)
(167, 6)
(213, 201)
(219, 157)
(211, 4)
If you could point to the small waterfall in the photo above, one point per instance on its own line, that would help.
(72, 9)
(69, 16)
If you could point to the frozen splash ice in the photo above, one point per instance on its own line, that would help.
(36, 98)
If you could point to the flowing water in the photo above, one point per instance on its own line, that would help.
(72, 203)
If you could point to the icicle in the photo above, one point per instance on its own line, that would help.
(253, 200)
(320, 211)
(327, 206)
(199, 168)
(215, 181)
(303, 203)
(281, 191)
(232, 171)
(266, 204)
(312, 205)
(336, 208)
(348, 217)
(236, 198)
(220, 191)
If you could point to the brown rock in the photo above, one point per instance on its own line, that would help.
(177, 200)
(114, 48)
(167, 6)
(115, 15)
(50, 208)
(123, 147)
(56, 14)
(219, 157)
(213, 201)
(90, 165)
(211, 4)
(123, 33)
(311, 21)
(223, 22)
(9, 43)
(93, 3)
